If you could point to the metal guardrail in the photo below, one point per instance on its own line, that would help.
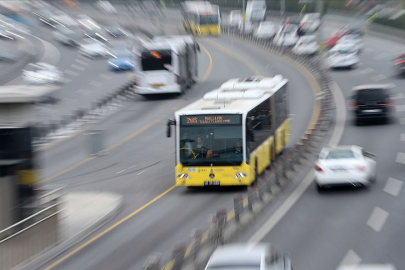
(29, 237)
(226, 224)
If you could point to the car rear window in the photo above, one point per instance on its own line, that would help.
(340, 154)
(156, 59)
(370, 95)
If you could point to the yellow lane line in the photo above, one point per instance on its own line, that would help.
(208, 71)
(234, 55)
(169, 265)
(94, 238)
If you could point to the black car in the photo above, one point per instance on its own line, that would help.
(371, 102)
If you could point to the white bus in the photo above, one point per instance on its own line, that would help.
(165, 66)
(233, 133)
(256, 11)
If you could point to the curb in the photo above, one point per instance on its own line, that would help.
(40, 261)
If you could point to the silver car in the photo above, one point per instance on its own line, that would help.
(248, 257)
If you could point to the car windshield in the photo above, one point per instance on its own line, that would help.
(266, 28)
(307, 40)
(340, 154)
(343, 51)
(156, 60)
(370, 95)
(216, 142)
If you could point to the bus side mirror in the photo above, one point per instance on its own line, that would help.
(169, 128)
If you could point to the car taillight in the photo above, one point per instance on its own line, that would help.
(318, 169)
(354, 105)
(361, 168)
(399, 62)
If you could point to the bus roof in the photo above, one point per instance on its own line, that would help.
(170, 38)
(235, 96)
(175, 45)
(200, 7)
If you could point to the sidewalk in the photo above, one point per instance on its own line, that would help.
(82, 214)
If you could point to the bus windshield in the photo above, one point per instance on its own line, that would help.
(212, 143)
(156, 60)
(209, 19)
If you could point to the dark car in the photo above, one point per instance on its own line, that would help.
(371, 102)
(400, 64)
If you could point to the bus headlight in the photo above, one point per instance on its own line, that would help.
(183, 176)
(240, 175)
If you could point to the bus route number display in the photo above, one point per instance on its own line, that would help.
(211, 119)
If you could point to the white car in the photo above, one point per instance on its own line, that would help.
(344, 165)
(354, 41)
(66, 36)
(245, 256)
(93, 48)
(266, 30)
(248, 28)
(287, 36)
(42, 73)
(343, 56)
(306, 45)
(368, 267)
(311, 22)
(235, 19)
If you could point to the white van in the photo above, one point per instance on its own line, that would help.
(163, 68)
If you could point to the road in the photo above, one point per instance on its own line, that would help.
(85, 80)
(322, 231)
(142, 167)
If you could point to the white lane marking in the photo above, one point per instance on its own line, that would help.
(393, 186)
(402, 121)
(297, 193)
(71, 72)
(381, 56)
(400, 158)
(379, 78)
(96, 83)
(105, 76)
(81, 62)
(403, 137)
(366, 71)
(351, 258)
(377, 219)
(141, 173)
(126, 169)
(397, 96)
(77, 67)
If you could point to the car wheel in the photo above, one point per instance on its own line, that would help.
(358, 122)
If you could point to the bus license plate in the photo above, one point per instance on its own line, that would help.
(211, 183)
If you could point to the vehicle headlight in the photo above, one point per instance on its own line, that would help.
(183, 176)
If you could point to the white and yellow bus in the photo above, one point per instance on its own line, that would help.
(201, 18)
(233, 133)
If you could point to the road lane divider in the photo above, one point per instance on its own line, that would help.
(226, 225)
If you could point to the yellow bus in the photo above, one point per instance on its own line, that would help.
(233, 133)
(201, 18)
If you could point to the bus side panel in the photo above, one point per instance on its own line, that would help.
(279, 140)
(263, 157)
(287, 130)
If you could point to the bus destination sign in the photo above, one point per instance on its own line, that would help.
(223, 119)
